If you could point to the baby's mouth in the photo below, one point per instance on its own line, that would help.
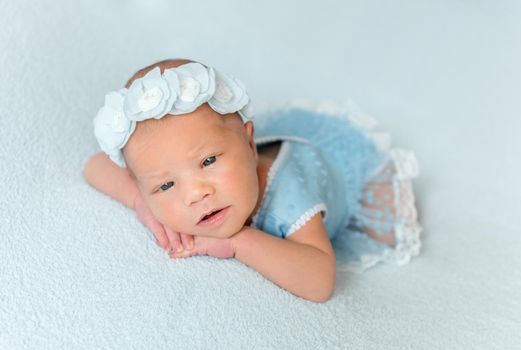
(209, 216)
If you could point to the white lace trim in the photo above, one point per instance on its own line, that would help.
(407, 232)
(405, 163)
(304, 218)
(283, 152)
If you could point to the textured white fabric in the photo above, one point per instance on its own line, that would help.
(78, 271)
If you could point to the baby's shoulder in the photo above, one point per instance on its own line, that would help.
(295, 188)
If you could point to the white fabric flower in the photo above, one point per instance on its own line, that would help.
(111, 127)
(177, 91)
(247, 112)
(196, 86)
(229, 96)
(151, 96)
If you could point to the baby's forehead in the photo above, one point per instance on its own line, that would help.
(171, 126)
(183, 132)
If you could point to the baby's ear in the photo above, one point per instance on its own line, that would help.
(250, 131)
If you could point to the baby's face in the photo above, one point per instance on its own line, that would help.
(189, 165)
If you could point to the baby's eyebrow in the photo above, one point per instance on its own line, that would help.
(156, 175)
(152, 179)
(195, 151)
(193, 154)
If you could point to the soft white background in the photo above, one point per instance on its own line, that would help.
(78, 271)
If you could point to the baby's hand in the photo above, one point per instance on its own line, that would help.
(165, 237)
(217, 247)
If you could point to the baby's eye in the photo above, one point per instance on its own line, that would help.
(209, 160)
(166, 185)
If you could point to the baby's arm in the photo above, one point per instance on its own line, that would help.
(105, 176)
(304, 263)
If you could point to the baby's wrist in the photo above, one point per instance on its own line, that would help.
(238, 239)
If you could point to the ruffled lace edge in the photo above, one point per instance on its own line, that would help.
(407, 231)
(304, 218)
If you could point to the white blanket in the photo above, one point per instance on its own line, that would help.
(78, 271)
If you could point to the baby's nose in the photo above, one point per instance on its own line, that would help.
(197, 191)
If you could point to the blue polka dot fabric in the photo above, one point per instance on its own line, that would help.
(328, 166)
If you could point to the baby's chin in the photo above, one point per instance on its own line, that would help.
(226, 231)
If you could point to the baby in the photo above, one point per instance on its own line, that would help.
(179, 148)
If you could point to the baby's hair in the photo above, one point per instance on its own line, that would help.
(164, 64)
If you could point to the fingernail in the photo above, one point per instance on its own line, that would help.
(180, 248)
(191, 245)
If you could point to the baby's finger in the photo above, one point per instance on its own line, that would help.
(188, 241)
(159, 233)
(175, 240)
(182, 255)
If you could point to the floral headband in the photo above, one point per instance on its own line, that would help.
(177, 91)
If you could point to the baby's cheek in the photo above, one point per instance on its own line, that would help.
(162, 212)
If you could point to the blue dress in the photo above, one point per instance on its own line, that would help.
(334, 166)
